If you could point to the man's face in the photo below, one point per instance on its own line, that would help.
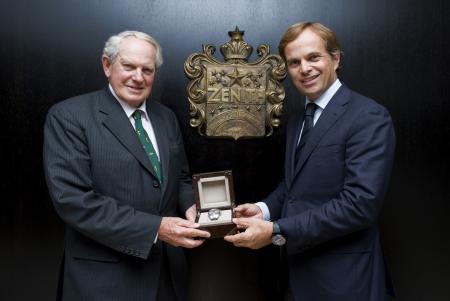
(132, 73)
(311, 67)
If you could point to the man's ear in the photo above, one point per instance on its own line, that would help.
(336, 60)
(106, 63)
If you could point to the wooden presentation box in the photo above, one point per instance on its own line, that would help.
(214, 198)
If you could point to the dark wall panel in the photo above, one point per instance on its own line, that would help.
(394, 51)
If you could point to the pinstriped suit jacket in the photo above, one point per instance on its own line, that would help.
(103, 187)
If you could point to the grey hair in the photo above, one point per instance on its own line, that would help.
(112, 45)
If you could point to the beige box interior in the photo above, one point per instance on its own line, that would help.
(214, 192)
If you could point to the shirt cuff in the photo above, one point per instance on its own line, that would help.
(264, 209)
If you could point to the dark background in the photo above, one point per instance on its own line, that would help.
(396, 52)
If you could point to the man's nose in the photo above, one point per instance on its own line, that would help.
(305, 67)
(137, 76)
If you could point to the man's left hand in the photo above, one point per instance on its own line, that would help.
(257, 234)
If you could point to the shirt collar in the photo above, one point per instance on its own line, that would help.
(325, 98)
(129, 110)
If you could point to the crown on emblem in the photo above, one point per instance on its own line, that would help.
(236, 48)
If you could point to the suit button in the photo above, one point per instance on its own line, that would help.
(155, 184)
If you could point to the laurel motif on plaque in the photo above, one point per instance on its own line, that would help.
(235, 98)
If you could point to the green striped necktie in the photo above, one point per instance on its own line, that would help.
(147, 144)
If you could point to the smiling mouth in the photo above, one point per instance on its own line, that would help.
(136, 89)
(309, 79)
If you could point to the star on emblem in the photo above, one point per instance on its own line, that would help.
(236, 77)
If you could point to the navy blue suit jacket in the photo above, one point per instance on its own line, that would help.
(104, 188)
(329, 201)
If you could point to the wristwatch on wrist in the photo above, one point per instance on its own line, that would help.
(277, 238)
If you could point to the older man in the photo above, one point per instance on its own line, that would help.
(339, 155)
(118, 177)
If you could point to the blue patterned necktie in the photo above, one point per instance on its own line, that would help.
(147, 144)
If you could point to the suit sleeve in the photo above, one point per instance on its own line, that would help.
(369, 153)
(68, 175)
(275, 201)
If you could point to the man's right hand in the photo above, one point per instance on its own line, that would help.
(181, 233)
(248, 210)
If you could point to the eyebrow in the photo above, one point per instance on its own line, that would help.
(315, 53)
(295, 59)
(130, 62)
(125, 60)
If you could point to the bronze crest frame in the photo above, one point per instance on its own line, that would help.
(235, 98)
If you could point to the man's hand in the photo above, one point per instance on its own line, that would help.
(258, 233)
(181, 233)
(191, 213)
(248, 210)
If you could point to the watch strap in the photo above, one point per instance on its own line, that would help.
(276, 229)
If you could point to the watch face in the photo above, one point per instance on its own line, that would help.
(278, 240)
(214, 214)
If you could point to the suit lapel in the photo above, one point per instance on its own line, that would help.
(159, 127)
(332, 112)
(119, 125)
(293, 131)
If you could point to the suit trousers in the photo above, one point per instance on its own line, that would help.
(166, 291)
(284, 286)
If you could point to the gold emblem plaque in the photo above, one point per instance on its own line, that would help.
(235, 98)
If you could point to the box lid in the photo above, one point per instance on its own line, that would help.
(214, 190)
